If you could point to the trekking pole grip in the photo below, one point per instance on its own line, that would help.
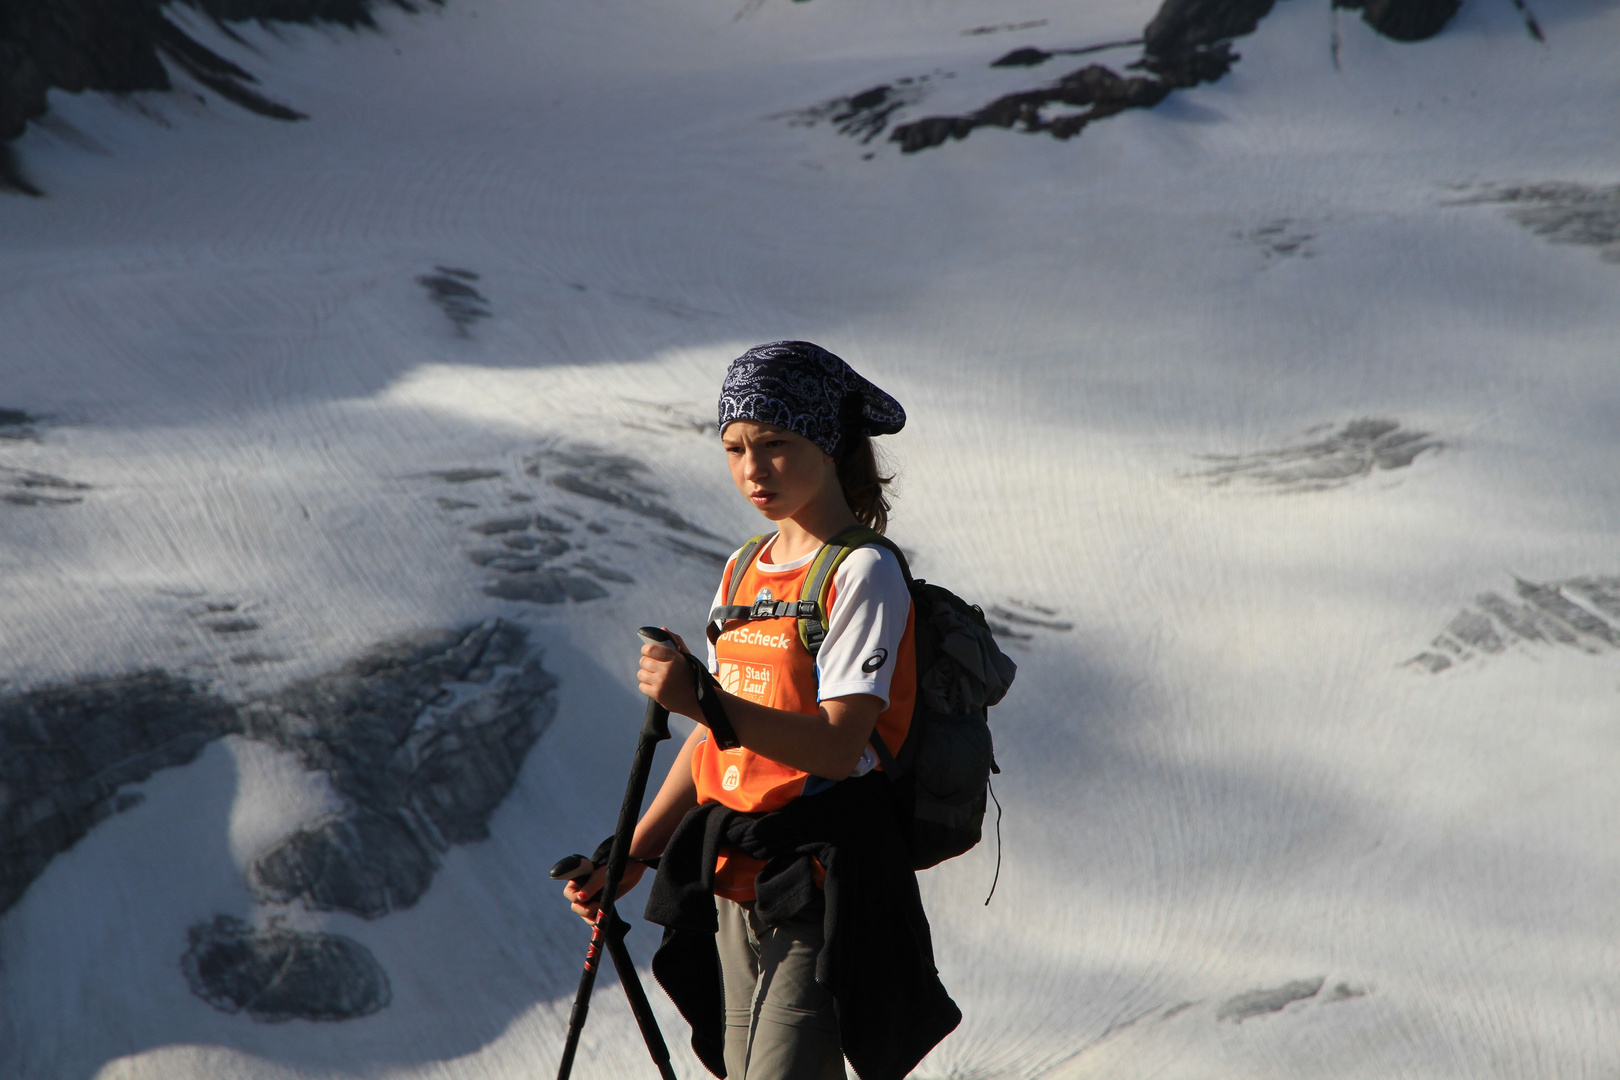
(656, 724)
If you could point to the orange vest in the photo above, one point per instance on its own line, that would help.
(764, 661)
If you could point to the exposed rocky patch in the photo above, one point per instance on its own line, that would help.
(423, 739)
(1354, 452)
(998, 28)
(549, 586)
(1343, 992)
(1577, 613)
(122, 46)
(1561, 213)
(865, 115)
(619, 481)
(451, 289)
(1409, 20)
(25, 487)
(67, 753)
(1064, 108)
(1183, 25)
(278, 974)
(466, 476)
(1259, 1002)
(1283, 238)
(17, 425)
(1029, 56)
(1186, 43)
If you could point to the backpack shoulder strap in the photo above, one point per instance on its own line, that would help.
(818, 582)
(734, 575)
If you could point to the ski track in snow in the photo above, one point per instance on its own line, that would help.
(1220, 412)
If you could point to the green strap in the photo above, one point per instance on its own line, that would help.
(818, 582)
(728, 611)
(813, 628)
(812, 617)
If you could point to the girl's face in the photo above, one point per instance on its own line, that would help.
(779, 471)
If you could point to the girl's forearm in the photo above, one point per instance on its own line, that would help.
(675, 797)
(828, 743)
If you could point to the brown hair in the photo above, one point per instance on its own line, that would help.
(863, 484)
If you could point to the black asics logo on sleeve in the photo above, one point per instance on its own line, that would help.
(875, 661)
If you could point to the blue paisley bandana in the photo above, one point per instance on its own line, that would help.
(807, 390)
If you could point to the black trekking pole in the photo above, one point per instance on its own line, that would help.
(608, 931)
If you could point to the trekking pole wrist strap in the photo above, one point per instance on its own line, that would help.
(714, 714)
(604, 851)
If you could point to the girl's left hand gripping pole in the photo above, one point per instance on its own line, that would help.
(608, 931)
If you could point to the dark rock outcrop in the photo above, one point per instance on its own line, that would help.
(1095, 90)
(1259, 1002)
(1404, 20)
(1181, 26)
(278, 974)
(121, 46)
(1187, 42)
(423, 739)
(451, 289)
(65, 753)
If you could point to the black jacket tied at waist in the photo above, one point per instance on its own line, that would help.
(877, 959)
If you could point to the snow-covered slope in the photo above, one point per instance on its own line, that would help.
(1309, 764)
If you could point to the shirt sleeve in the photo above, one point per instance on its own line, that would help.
(870, 608)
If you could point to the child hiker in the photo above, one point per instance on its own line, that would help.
(794, 933)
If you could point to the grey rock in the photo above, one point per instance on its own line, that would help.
(39, 489)
(361, 862)
(422, 738)
(606, 573)
(514, 564)
(1182, 25)
(466, 476)
(546, 587)
(1259, 1002)
(626, 499)
(1098, 90)
(15, 423)
(1406, 20)
(232, 626)
(1560, 212)
(65, 752)
(421, 766)
(278, 974)
(501, 525)
(1354, 452)
(450, 288)
(1579, 613)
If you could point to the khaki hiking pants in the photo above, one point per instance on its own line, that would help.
(780, 1023)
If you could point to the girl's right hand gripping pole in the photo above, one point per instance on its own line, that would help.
(607, 932)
